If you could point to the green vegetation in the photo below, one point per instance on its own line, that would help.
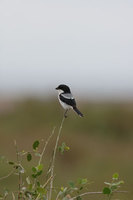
(31, 187)
(94, 147)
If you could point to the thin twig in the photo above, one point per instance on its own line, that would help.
(58, 195)
(47, 182)
(43, 187)
(13, 196)
(89, 193)
(4, 177)
(53, 160)
(46, 143)
(19, 173)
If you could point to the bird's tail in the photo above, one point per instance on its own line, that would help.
(77, 111)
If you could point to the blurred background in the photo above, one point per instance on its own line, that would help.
(87, 45)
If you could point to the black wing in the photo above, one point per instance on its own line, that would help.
(68, 100)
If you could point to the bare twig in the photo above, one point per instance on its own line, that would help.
(53, 160)
(89, 193)
(13, 196)
(19, 173)
(44, 187)
(4, 177)
(46, 143)
(58, 195)
(45, 184)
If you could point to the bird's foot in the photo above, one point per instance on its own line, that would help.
(65, 114)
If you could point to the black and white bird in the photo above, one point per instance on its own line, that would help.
(67, 100)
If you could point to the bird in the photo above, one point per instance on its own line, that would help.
(67, 100)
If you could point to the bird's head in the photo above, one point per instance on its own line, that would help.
(63, 88)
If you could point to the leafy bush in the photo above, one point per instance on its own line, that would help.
(39, 183)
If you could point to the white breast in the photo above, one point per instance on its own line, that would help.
(64, 105)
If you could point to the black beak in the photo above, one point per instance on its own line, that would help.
(56, 88)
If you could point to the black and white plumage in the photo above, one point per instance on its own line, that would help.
(67, 100)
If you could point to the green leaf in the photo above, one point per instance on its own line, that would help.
(38, 183)
(34, 169)
(113, 187)
(16, 166)
(41, 190)
(39, 167)
(121, 182)
(35, 144)
(107, 190)
(72, 184)
(82, 181)
(29, 157)
(62, 189)
(79, 198)
(34, 175)
(67, 148)
(39, 173)
(81, 188)
(11, 163)
(63, 148)
(115, 176)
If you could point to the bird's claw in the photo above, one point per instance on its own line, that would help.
(65, 116)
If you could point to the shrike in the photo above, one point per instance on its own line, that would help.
(67, 100)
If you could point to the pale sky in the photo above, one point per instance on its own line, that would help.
(87, 44)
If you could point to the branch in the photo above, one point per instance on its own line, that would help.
(46, 143)
(43, 187)
(89, 193)
(53, 160)
(19, 174)
(4, 177)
